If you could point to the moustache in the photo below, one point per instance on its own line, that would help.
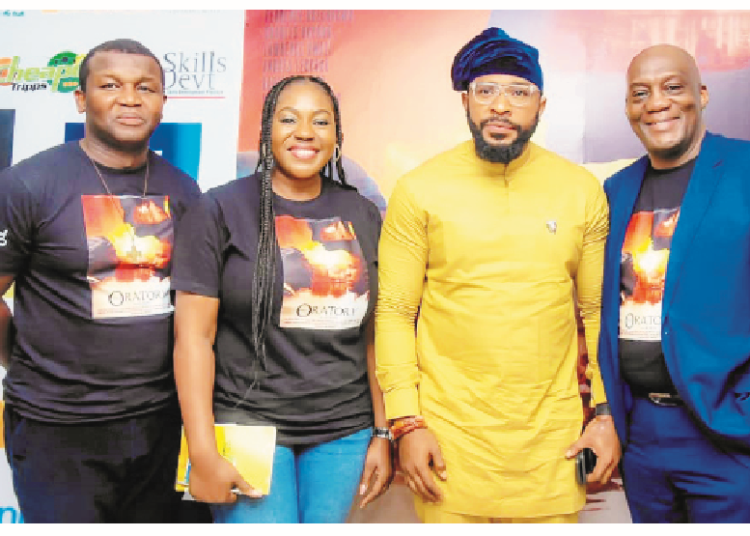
(501, 122)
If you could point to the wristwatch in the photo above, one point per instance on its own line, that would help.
(602, 409)
(382, 432)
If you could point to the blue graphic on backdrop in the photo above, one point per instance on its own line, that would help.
(7, 124)
(178, 143)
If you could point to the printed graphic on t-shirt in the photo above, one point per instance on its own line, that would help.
(645, 254)
(130, 242)
(326, 284)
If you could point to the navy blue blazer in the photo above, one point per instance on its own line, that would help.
(705, 322)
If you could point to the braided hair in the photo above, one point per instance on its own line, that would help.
(265, 269)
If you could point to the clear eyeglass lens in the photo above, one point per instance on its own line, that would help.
(517, 94)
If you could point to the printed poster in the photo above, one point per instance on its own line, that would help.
(130, 240)
(645, 254)
(326, 285)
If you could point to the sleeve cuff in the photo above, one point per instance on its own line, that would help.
(194, 288)
(401, 403)
(598, 395)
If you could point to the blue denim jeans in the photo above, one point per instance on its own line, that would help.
(308, 485)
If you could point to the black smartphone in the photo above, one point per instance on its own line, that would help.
(585, 462)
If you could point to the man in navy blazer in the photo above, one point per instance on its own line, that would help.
(674, 348)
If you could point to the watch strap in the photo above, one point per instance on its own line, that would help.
(382, 432)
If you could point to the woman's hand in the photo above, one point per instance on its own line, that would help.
(213, 478)
(378, 471)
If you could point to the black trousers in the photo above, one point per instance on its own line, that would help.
(120, 472)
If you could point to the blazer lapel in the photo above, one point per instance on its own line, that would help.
(622, 210)
(701, 187)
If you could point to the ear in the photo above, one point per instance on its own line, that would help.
(80, 97)
(465, 101)
(704, 96)
(542, 105)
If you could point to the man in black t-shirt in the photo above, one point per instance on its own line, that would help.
(92, 426)
(675, 339)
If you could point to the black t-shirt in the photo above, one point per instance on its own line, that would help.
(315, 386)
(92, 307)
(645, 254)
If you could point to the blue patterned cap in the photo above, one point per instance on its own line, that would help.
(495, 52)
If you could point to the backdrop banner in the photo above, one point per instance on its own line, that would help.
(40, 55)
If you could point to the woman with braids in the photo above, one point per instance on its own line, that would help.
(276, 284)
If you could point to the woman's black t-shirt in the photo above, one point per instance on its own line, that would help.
(314, 387)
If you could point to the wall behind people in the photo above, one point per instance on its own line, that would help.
(391, 71)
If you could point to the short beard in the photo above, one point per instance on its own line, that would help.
(500, 154)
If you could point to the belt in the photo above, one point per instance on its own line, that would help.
(662, 399)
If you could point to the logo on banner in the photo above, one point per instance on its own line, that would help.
(60, 75)
(8, 514)
(194, 74)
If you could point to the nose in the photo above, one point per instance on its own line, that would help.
(129, 95)
(304, 130)
(500, 104)
(657, 101)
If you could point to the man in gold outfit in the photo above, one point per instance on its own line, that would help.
(485, 247)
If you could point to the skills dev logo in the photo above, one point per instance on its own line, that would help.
(60, 75)
(194, 74)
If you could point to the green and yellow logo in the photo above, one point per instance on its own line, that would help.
(60, 75)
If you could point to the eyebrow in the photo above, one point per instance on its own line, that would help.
(143, 78)
(295, 110)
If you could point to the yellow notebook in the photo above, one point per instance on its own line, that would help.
(249, 448)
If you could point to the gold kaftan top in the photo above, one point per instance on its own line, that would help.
(493, 255)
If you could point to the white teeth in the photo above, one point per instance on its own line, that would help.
(303, 153)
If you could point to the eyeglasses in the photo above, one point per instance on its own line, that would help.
(518, 95)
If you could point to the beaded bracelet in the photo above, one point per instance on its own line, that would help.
(404, 425)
